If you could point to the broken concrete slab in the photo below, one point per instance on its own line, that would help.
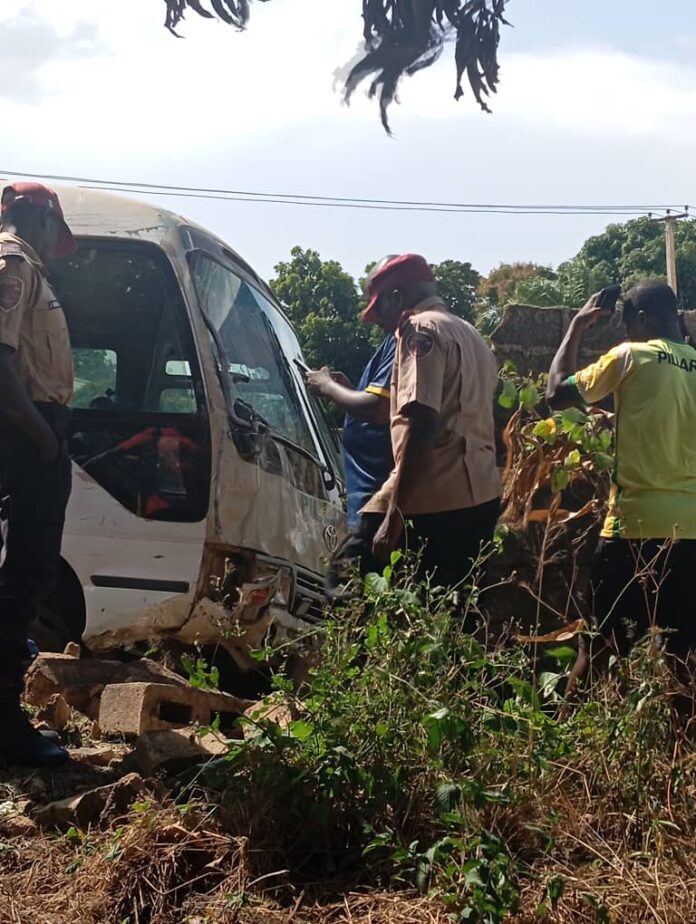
(131, 709)
(272, 709)
(94, 806)
(17, 825)
(99, 756)
(81, 681)
(176, 749)
(54, 714)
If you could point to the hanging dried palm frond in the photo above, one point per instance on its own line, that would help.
(401, 37)
(405, 36)
(233, 12)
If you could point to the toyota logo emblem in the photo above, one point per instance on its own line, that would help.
(331, 538)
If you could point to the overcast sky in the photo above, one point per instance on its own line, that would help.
(596, 106)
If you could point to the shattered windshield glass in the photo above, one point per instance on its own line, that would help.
(258, 371)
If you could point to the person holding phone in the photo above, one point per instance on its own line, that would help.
(643, 566)
(367, 450)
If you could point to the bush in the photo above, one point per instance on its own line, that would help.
(419, 757)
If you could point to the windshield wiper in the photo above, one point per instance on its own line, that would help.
(251, 414)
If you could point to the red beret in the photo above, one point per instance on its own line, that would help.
(43, 197)
(405, 270)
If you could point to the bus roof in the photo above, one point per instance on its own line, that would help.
(101, 213)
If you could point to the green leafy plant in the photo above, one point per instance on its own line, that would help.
(549, 451)
(420, 757)
(200, 675)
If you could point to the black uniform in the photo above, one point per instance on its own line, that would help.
(33, 494)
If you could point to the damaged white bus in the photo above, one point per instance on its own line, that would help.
(207, 485)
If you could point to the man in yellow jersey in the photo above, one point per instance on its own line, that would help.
(643, 568)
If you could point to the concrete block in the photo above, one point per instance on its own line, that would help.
(80, 681)
(272, 709)
(94, 806)
(103, 755)
(55, 713)
(131, 709)
(175, 749)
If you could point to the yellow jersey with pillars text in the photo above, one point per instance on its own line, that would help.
(653, 492)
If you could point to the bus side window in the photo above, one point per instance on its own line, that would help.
(139, 429)
(95, 378)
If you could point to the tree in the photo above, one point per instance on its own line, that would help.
(498, 287)
(457, 283)
(635, 250)
(323, 303)
(622, 253)
(95, 375)
(571, 286)
(400, 37)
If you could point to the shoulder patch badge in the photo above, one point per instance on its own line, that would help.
(420, 343)
(11, 291)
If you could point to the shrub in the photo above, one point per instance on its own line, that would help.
(419, 757)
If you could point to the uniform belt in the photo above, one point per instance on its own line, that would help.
(58, 416)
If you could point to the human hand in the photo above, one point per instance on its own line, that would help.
(388, 536)
(591, 313)
(342, 379)
(318, 379)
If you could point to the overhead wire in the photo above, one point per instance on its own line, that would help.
(401, 205)
(471, 210)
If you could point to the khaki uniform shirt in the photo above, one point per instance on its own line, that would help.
(33, 324)
(443, 363)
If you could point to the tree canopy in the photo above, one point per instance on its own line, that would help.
(498, 287)
(323, 301)
(400, 38)
(622, 253)
(458, 285)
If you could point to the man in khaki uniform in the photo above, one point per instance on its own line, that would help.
(36, 382)
(444, 491)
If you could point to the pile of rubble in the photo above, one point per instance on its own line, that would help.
(143, 722)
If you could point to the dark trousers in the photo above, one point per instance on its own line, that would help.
(447, 544)
(636, 584)
(33, 498)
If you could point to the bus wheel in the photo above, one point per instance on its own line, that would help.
(62, 616)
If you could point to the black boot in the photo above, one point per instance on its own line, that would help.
(21, 743)
(49, 734)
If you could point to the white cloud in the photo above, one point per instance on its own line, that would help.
(30, 43)
(221, 89)
(258, 110)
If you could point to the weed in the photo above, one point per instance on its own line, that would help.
(420, 757)
(200, 675)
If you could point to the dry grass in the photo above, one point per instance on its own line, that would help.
(625, 853)
(169, 865)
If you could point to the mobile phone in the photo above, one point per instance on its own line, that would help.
(608, 297)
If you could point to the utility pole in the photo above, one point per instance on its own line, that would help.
(670, 221)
